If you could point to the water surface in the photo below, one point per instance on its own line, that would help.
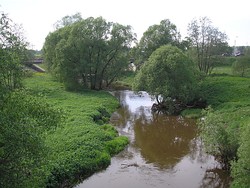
(164, 151)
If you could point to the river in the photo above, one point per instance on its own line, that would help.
(164, 151)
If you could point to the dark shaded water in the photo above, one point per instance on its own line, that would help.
(164, 151)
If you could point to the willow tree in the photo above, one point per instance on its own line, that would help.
(154, 37)
(168, 75)
(208, 43)
(91, 52)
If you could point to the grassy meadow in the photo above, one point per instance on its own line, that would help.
(84, 143)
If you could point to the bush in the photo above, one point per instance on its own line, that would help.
(24, 120)
(241, 167)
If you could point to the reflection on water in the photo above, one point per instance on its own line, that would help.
(164, 151)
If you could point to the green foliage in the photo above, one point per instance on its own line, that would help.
(24, 121)
(12, 53)
(154, 37)
(220, 135)
(241, 167)
(241, 66)
(208, 43)
(225, 130)
(191, 113)
(90, 53)
(125, 82)
(116, 145)
(169, 74)
(220, 91)
(80, 147)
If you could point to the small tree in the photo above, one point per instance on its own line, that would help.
(207, 42)
(241, 66)
(169, 76)
(12, 53)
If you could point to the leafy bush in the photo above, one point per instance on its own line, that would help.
(220, 135)
(24, 120)
(241, 167)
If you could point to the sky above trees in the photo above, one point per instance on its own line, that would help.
(37, 17)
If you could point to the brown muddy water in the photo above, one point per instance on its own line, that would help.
(164, 151)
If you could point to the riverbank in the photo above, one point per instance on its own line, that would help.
(83, 144)
(227, 123)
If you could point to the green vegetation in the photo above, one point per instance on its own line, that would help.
(12, 53)
(125, 82)
(208, 43)
(154, 37)
(224, 127)
(50, 137)
(25, 120)
(170, 76)
(90, 53)
(81, 146)
(241, 66)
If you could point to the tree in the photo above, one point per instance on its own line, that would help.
(241, 66)
(90, 53)
(68, 20)
(12, 53)
(169, 76)
(208, 43)
(156, 36)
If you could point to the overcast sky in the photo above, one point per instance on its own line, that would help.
(38, 16)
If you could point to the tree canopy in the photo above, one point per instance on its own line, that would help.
(91, 52)
(168, 74)
(208, 43)
(155, 36)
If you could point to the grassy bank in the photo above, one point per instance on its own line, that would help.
(82, 145)
(227, 124)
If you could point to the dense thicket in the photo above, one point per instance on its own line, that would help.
(89, 53)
